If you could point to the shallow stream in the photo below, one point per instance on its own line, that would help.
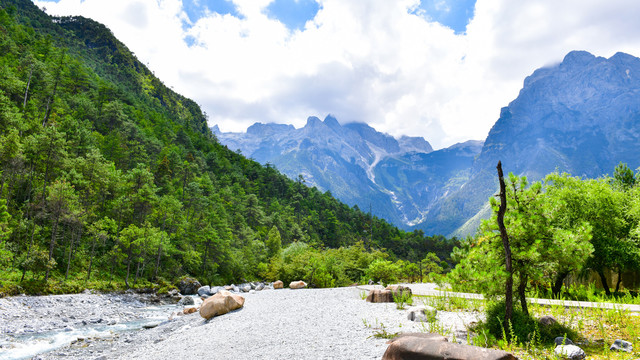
(24, 341)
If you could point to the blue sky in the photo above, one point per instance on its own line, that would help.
(454, 14)
(440, 69)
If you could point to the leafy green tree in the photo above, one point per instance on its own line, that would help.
(61, 202)
(430, 265)
(602, 206)
(274, 242)
(539, 245)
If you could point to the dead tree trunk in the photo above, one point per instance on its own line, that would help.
(508, 294)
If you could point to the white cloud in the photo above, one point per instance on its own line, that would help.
(370, 61)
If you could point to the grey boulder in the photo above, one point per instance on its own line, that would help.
(187, 300)
(188, 286)
(571, 352)
(204, 290)
(621, 345)
(415, 346)
(421, 313)
(563, 341)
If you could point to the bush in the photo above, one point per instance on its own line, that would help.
(383, 270)
(524, 329)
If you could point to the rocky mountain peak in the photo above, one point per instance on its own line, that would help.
(332, 122)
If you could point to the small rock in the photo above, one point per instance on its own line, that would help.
(214, 290)
(571, 352)
(621, 345)
(421, 313)
(187, 300)
(297, 284)
(560, 340)
(150, 326)
(204, 290)
(259, 287)
(547, 320)
(278, 285)
(189, 310)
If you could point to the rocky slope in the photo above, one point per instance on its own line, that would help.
(399, 179)
(581, 116)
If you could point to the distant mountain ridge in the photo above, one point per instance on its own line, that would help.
(358, 164)
(581, 116)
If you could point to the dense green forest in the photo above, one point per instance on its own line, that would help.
(108, 176)
(562, 227)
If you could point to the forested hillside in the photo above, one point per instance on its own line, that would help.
(107, 174)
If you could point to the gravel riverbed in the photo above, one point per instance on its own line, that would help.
(273, 324)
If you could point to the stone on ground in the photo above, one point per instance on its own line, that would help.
(560, 340)
(297, 284)
(571, 352)
(547, 320)
(621, 345)
(187, 300)
(421, 313)
(204, 290)
(399, 290)
(278, 285)
(220, 304)
(380, 296)
(188, 286)
(433, 347)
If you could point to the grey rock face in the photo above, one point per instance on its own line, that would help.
(340, 158)
(580, 116)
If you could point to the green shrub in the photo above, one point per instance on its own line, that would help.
(383, 270)
(523, 329)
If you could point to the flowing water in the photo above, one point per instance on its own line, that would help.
(30, 342)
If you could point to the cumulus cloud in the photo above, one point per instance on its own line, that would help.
(377, 61)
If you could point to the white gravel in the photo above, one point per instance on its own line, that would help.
(274, 324)
(293, 324)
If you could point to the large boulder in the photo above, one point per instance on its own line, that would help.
(188, 286)
(220, 304)
(278, 285)
(297, 285)
(434, 347)
(380, 296)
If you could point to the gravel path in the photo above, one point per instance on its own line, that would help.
(274, 324)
